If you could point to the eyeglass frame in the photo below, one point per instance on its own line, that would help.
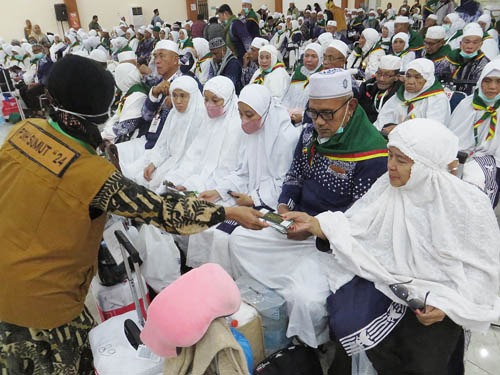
(313, 114)
(401, 291)
(385, 75)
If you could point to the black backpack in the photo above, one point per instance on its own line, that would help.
(293, 360)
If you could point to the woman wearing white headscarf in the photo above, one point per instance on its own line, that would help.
(203, 58)
(181, 127)
(280, 40)
(401, 49)
(386, 36)
(264, 159)
(174, 36)
(128, 115)
(475, 121)
(421, 96)
(271, 73)
(213, 154)
(453, 25)
(419, 225)
(365, 58)
(297, 95)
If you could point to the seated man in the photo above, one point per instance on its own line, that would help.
(375, 92)
(436, 50)
(464, 65)
(416, 42)
(336, 160)
(224, 63)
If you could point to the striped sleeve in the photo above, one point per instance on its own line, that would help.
(173, 213)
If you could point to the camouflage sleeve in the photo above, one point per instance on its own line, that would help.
(173, 213)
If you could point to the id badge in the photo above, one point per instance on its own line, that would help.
(154, 124)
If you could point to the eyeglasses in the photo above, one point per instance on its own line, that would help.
(401, 291)
(384, 75)
(325, 115)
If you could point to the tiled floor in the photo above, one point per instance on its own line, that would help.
(483, 357)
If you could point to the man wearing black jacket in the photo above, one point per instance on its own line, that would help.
(375, 92)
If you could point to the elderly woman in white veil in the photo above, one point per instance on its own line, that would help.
(213, 153)
(181, 127)
(272, 72)
(421, 96)
(474, 121)
(365, 57)
(128, 116)
(420, 226)
(264, 159)
(297, 95)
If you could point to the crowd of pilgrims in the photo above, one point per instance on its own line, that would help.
(221, 108)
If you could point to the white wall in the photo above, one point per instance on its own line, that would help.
(14, 13)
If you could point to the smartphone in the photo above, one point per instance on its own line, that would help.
(276, 221)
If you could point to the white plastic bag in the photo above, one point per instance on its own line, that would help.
(161, 258)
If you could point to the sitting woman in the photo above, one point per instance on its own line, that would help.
(182, 126)
(264, 159)
(203, 58)
(365, 58)
(297, 95)
(213, 153)
(387, 33)
(128, 117)
(401, 49)
(474, 123)
(412, 261)
(271, 73)
(421, 96)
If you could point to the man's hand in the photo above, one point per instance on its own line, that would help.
(162, 88)
(245, 216)
(242, 199)
(209, 195)
(148, 172)
(432, 315)
(282, 208)
(303, 225)
(246, 59)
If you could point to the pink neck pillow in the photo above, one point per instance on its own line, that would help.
(180, 315)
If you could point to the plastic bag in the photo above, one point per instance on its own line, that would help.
(162, 260)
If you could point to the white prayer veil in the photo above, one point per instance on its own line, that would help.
(126, 76)
(201, 46)
(372, 37)
(404, 37)
(426, 69)
(179, 130)
(436, 230)
(271, 50)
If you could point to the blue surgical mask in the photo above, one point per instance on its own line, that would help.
(371, 17)
(37, 56)
(486, 100)
(268, 70)
(446, 26)
(468, 55)
(19, 57)
(281, 31)
(340, 130)
(246, 10)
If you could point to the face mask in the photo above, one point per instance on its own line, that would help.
(468, 55)
(340, 130)
(486, 100)
(446, 27)
(246, 10)
(19, 57)
(251, 126)
(268, 70)
(371, 17)
(183, 40)
(281, 31)
(37, 56)
(214, 110)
